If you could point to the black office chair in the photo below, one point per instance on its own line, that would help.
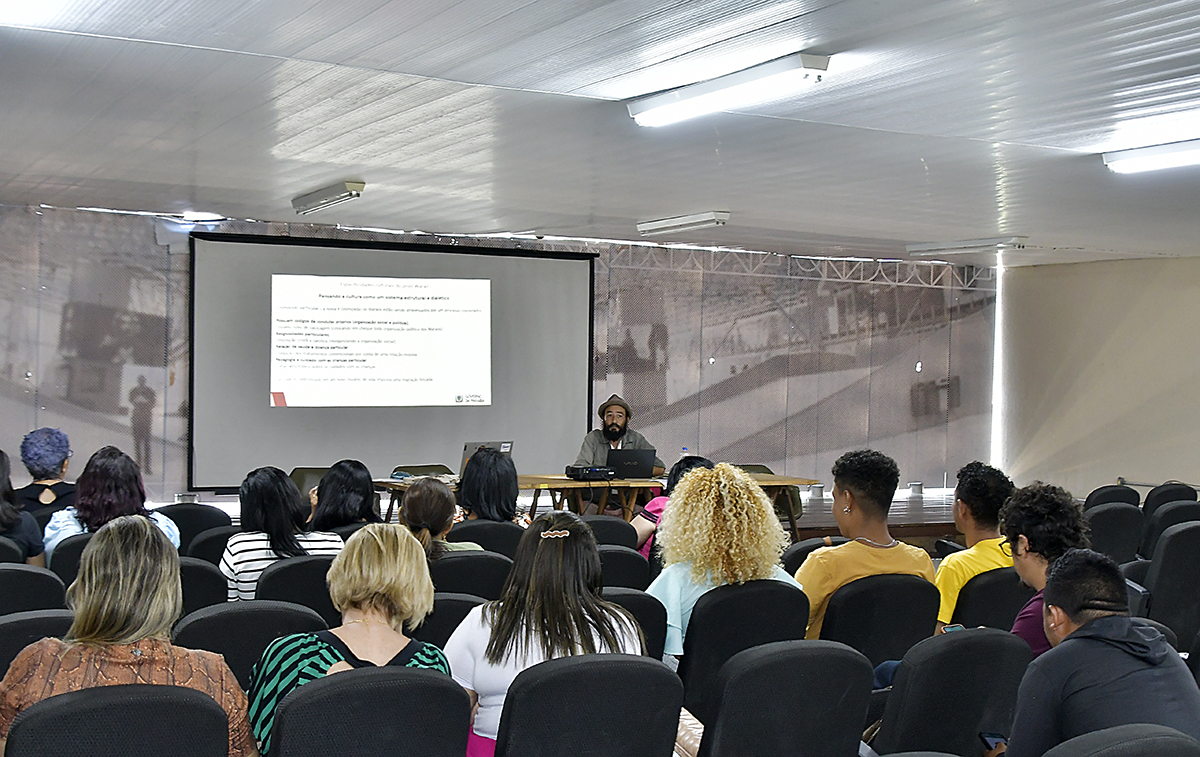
(209, 545)
(1111, 493)
(372, 711)
(435, 469)
(992, 598)
(973, 673)
(300, 580)
(347, 530)
(775, 697)
(193, 518)
(943, 548)
(26, 587)
(1165, 516)
(449, 609)
(641, 731)
(1172, 491)
(795, 555)
(1171, 577)
(480, 573)
(494, 536)
(43, 514)
(647, 611)
(1193, 660)
(1115, 529)
(203, 584)
(882, 616)
(118, 721)
(21, 629)
(241, 631)
(729, 619)
(10, 551)
(306, 477)
(1132, 740)
(622, 566)
(793, 492)
(610, 530)
(64, 560)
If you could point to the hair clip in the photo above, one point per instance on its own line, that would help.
(555, 534)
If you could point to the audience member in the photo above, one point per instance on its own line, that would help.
(550, 607)
(1104, 669)
(126, 599)
(864, 482)
(488, 487)
(720, 529)
(17, 524)
(380, 583)
(344, 496)
(980, 494)
(428, 511)
(273, 516)
(646, 520)
(1040, 523)
(109, 487)
(45, 453)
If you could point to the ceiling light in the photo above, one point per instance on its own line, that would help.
(200, 216)
(327, 197)
(1154, 158)
(965, 246)
(683, 223)
(757, 84)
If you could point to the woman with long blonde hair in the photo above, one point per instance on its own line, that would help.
(719, 528)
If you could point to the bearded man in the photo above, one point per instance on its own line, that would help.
(614, 433)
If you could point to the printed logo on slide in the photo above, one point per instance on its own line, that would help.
(277, 400)
(458, 398)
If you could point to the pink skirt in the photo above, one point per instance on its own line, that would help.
(480, 746)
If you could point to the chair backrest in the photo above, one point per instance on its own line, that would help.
(1173, 580)
(21, 629)
(10, 551)
(1162, 628)
(241, 631)
(972, 674)
(347, 530)
(650, 614)
(729, 619)
(64, 560)
(372, 711)
(1193, 660)
(1167, 515)
(494, 536)
(117, 721)
(479, 573)
(643, 731)
(26, 587)
(1111, 493)
(622, 566)
(882, 616)
(1172, 491)
(300, 580)
(777, 696)
(992, 598)
(1115, 529)
(449, 609)
(306, 477)
(203, 584)
(436, 469)
(794, 556)
(1132, 740)
(610, 530)
(43, 516)
(209, 545)
(193, 518)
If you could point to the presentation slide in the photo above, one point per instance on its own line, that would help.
(353, 341)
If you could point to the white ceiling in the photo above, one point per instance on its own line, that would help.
(938, 120)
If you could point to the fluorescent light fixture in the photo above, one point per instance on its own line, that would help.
(327, 197)
(1154, 158)
(757, 84)
(201, 216)
(683, 223)
(966, 246)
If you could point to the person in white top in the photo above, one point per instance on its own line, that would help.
(273, 516)
(550, 607)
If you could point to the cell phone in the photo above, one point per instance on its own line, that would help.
(992, 740)
(952, 627)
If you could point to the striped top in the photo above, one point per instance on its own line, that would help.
(295, 660)
(249, 553)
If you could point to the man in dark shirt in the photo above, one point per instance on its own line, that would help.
(1104, 669)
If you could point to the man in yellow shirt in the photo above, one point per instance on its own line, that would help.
(980, 494)
(864, 482)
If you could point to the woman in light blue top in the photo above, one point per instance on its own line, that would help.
(109, 487)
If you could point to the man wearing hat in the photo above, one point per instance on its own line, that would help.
(613, 434)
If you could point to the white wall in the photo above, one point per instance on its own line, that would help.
(1101, 372)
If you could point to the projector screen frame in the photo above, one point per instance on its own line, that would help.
(457, 249)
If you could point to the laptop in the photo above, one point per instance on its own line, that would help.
(470, 447)
(631, 463)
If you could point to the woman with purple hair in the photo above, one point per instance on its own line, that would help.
(45, 453)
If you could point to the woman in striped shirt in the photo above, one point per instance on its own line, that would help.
(273, 516)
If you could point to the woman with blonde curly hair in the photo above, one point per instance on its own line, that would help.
(719, 528)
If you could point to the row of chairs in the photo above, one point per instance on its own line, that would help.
(1121, 530)
(1172, 491)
